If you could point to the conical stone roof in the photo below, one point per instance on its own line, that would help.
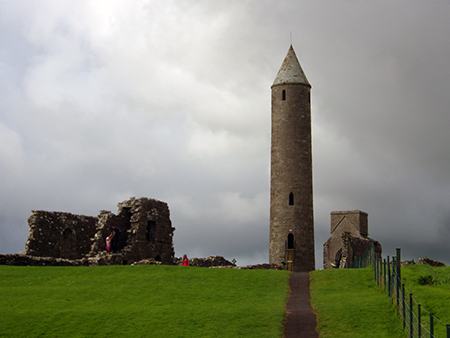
(291, 71)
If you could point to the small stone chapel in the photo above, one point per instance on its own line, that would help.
(349, 239)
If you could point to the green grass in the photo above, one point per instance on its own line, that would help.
(171, 301)
(349, 304)
(434, 298)
(141, 301)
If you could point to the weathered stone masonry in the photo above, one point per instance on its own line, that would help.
(291, 187)
(349, 239)
(59, 234)
(146, 233)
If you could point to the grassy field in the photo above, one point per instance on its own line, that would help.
(141, 301)
(350, 305)
(433, 297)
(171, 301)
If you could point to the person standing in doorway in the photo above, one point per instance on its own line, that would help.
(108, 243)
(114, 237)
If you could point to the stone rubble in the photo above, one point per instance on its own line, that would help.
(211, 261)
(426, 260)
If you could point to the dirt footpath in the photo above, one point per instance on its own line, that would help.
(300, 319)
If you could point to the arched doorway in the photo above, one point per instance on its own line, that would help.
(290, 252)
(291, 241)
(337, 259)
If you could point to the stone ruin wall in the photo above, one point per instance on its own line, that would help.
(59, 234)
(146, 233)
(348, 239)
(354, 246)
(65, 239)
(350, 247)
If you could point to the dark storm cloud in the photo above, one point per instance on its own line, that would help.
(104, 100)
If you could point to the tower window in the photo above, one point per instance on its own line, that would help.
(291, 199)
(283, 95)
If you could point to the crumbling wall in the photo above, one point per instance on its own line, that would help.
(27, 260)
(355, 246)
(348, 239)
(146, 233)
(426, 260)
(207, 262)
(59, 234)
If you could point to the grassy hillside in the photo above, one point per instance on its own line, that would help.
(141, 301)
(350, 305)
(433, 295)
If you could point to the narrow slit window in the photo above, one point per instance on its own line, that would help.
(283, 95)
(291, 199)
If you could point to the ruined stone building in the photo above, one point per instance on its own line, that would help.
(146, 233)
(59, 234)
(349, 239)
(291, 191)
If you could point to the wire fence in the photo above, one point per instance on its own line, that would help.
(417, 321)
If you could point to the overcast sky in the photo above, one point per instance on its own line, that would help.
(104, 100)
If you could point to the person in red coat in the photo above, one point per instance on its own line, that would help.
(185, 260)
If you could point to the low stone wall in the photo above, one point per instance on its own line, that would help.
(407, 263)
(105, 258)
(25, 260)
(147, 262)
(208, 262)
(265, 266)
(220, 262)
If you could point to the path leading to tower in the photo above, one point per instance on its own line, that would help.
(300, 319)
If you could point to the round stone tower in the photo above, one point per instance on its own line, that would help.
(291, 192)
